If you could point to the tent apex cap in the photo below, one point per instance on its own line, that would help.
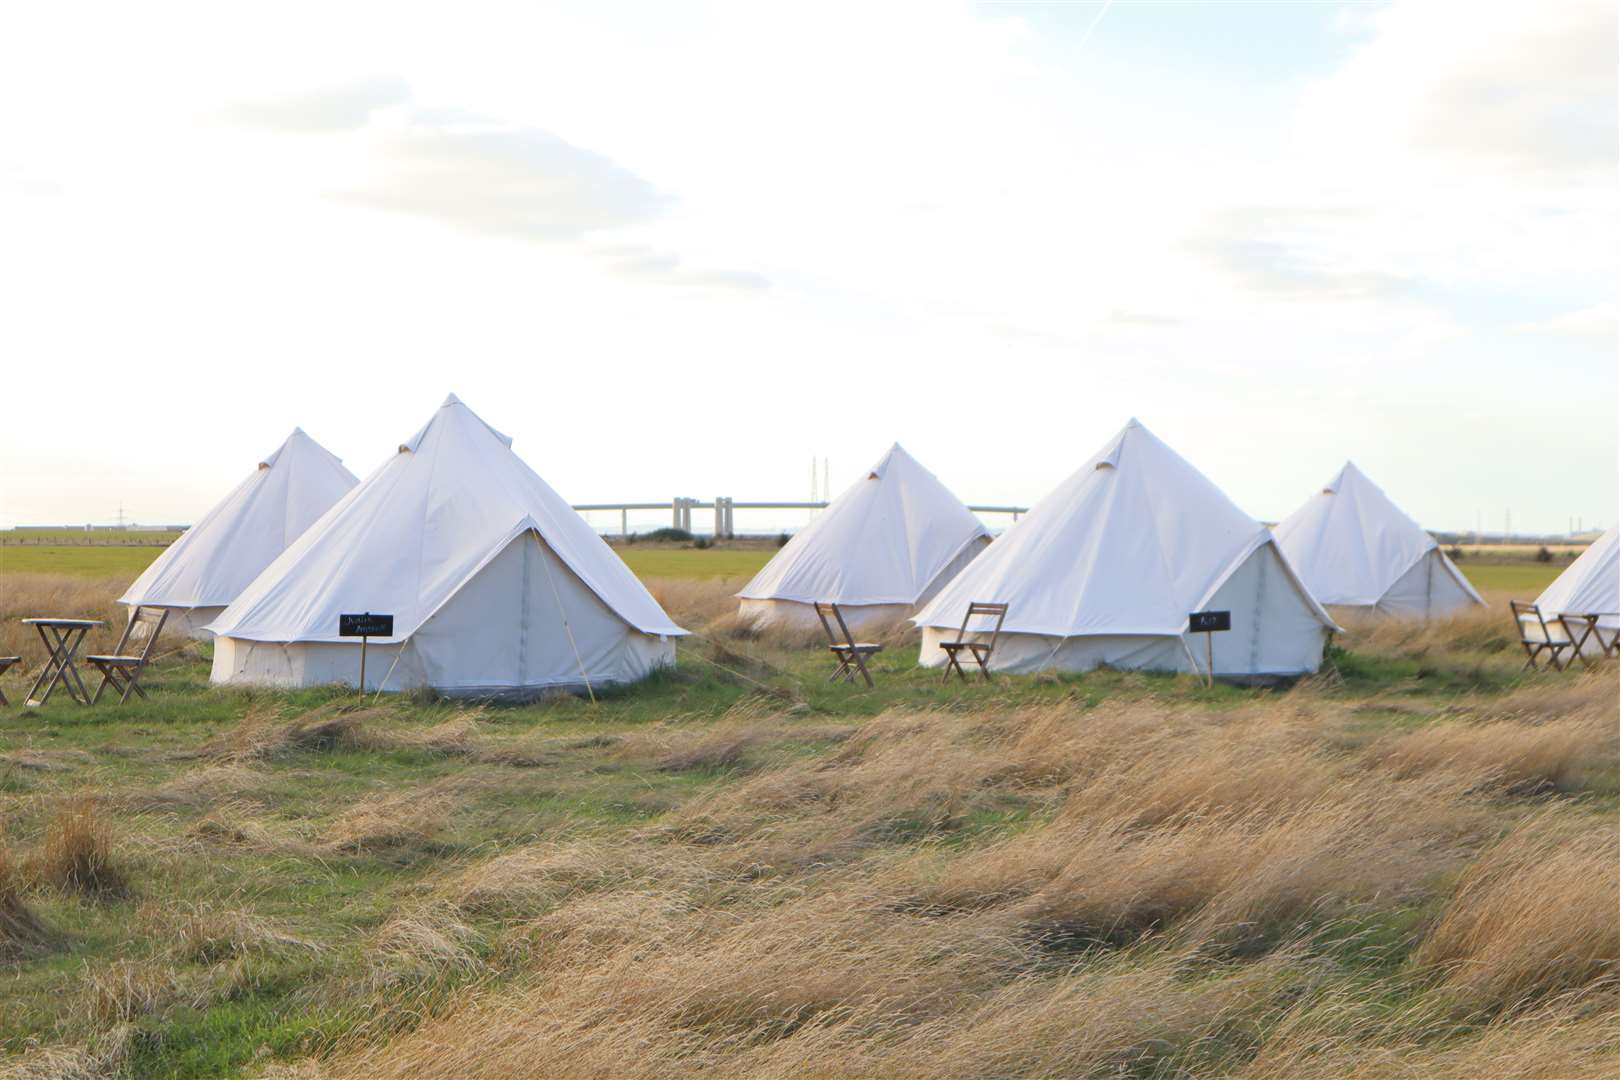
(449, 400)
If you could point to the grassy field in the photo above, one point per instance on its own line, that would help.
(84, 562)
(80, 538)
(674, 562)
(1406, 867)
(1523, 576)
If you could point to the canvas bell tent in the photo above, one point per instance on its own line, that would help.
(496, 586)
(1354, 548)
(215, 559)
(1107, 568)
(879, 550)
(1589, 586)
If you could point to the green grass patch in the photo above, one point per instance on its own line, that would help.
(674, 562)
(86, 561)
(1523, 577)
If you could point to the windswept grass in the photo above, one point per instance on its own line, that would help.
(1536, 916)
(1405, 868)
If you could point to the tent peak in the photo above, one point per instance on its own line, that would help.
(410, 445)
(297, 433)
(876, 471)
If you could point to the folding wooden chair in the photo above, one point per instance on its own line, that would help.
(1536, 637)
(979, 650)
(123, 669)
(851, 654)
(5, 663)
(1581, 629)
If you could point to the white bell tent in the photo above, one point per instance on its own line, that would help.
(1589, 586)
(496, 586)
(1354, 548)
(1105, 570)
(879, 550)
(215, 559)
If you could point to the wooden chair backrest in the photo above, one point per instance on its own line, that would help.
(980, 608)
(143, 629)
(1522, 613)
(824, 610)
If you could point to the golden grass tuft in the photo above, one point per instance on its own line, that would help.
(430, 942)
(203, 933)
(124, 991)
(459, 736)
(21, 931)
(262, 734)
(1536, 915)
(104, 1058)
(231, 824)
(715, 746)
(529, 880)
(76, 854)
(232, 783)
(387, 822)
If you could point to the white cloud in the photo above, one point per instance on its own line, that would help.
(661, 267)
(18, 178)
(1597, 323)
(343, 107)
(1465, 85)
(945, 198)
(1294, 254)
(522, 183)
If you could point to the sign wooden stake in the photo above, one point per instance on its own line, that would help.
(1209, 623)
(365, 626)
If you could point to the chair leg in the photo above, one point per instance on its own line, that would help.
(106, 677)
(860, 662)
(132, 683)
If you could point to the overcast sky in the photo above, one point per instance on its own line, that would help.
(681, 248)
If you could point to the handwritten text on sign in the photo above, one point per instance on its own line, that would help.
(365, 625)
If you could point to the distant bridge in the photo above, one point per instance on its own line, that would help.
(681, 508)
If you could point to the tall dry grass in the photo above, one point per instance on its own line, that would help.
(1134, 889)
(21, 931)
(1481, 636)
(1535, 916)
(1352, 1035)
(76, 854)
(24, 596)
(709, 608)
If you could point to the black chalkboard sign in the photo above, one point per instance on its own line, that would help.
(1209, 622)
(365, 625)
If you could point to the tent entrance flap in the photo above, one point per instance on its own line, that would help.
(526, 621)
(562, 614)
